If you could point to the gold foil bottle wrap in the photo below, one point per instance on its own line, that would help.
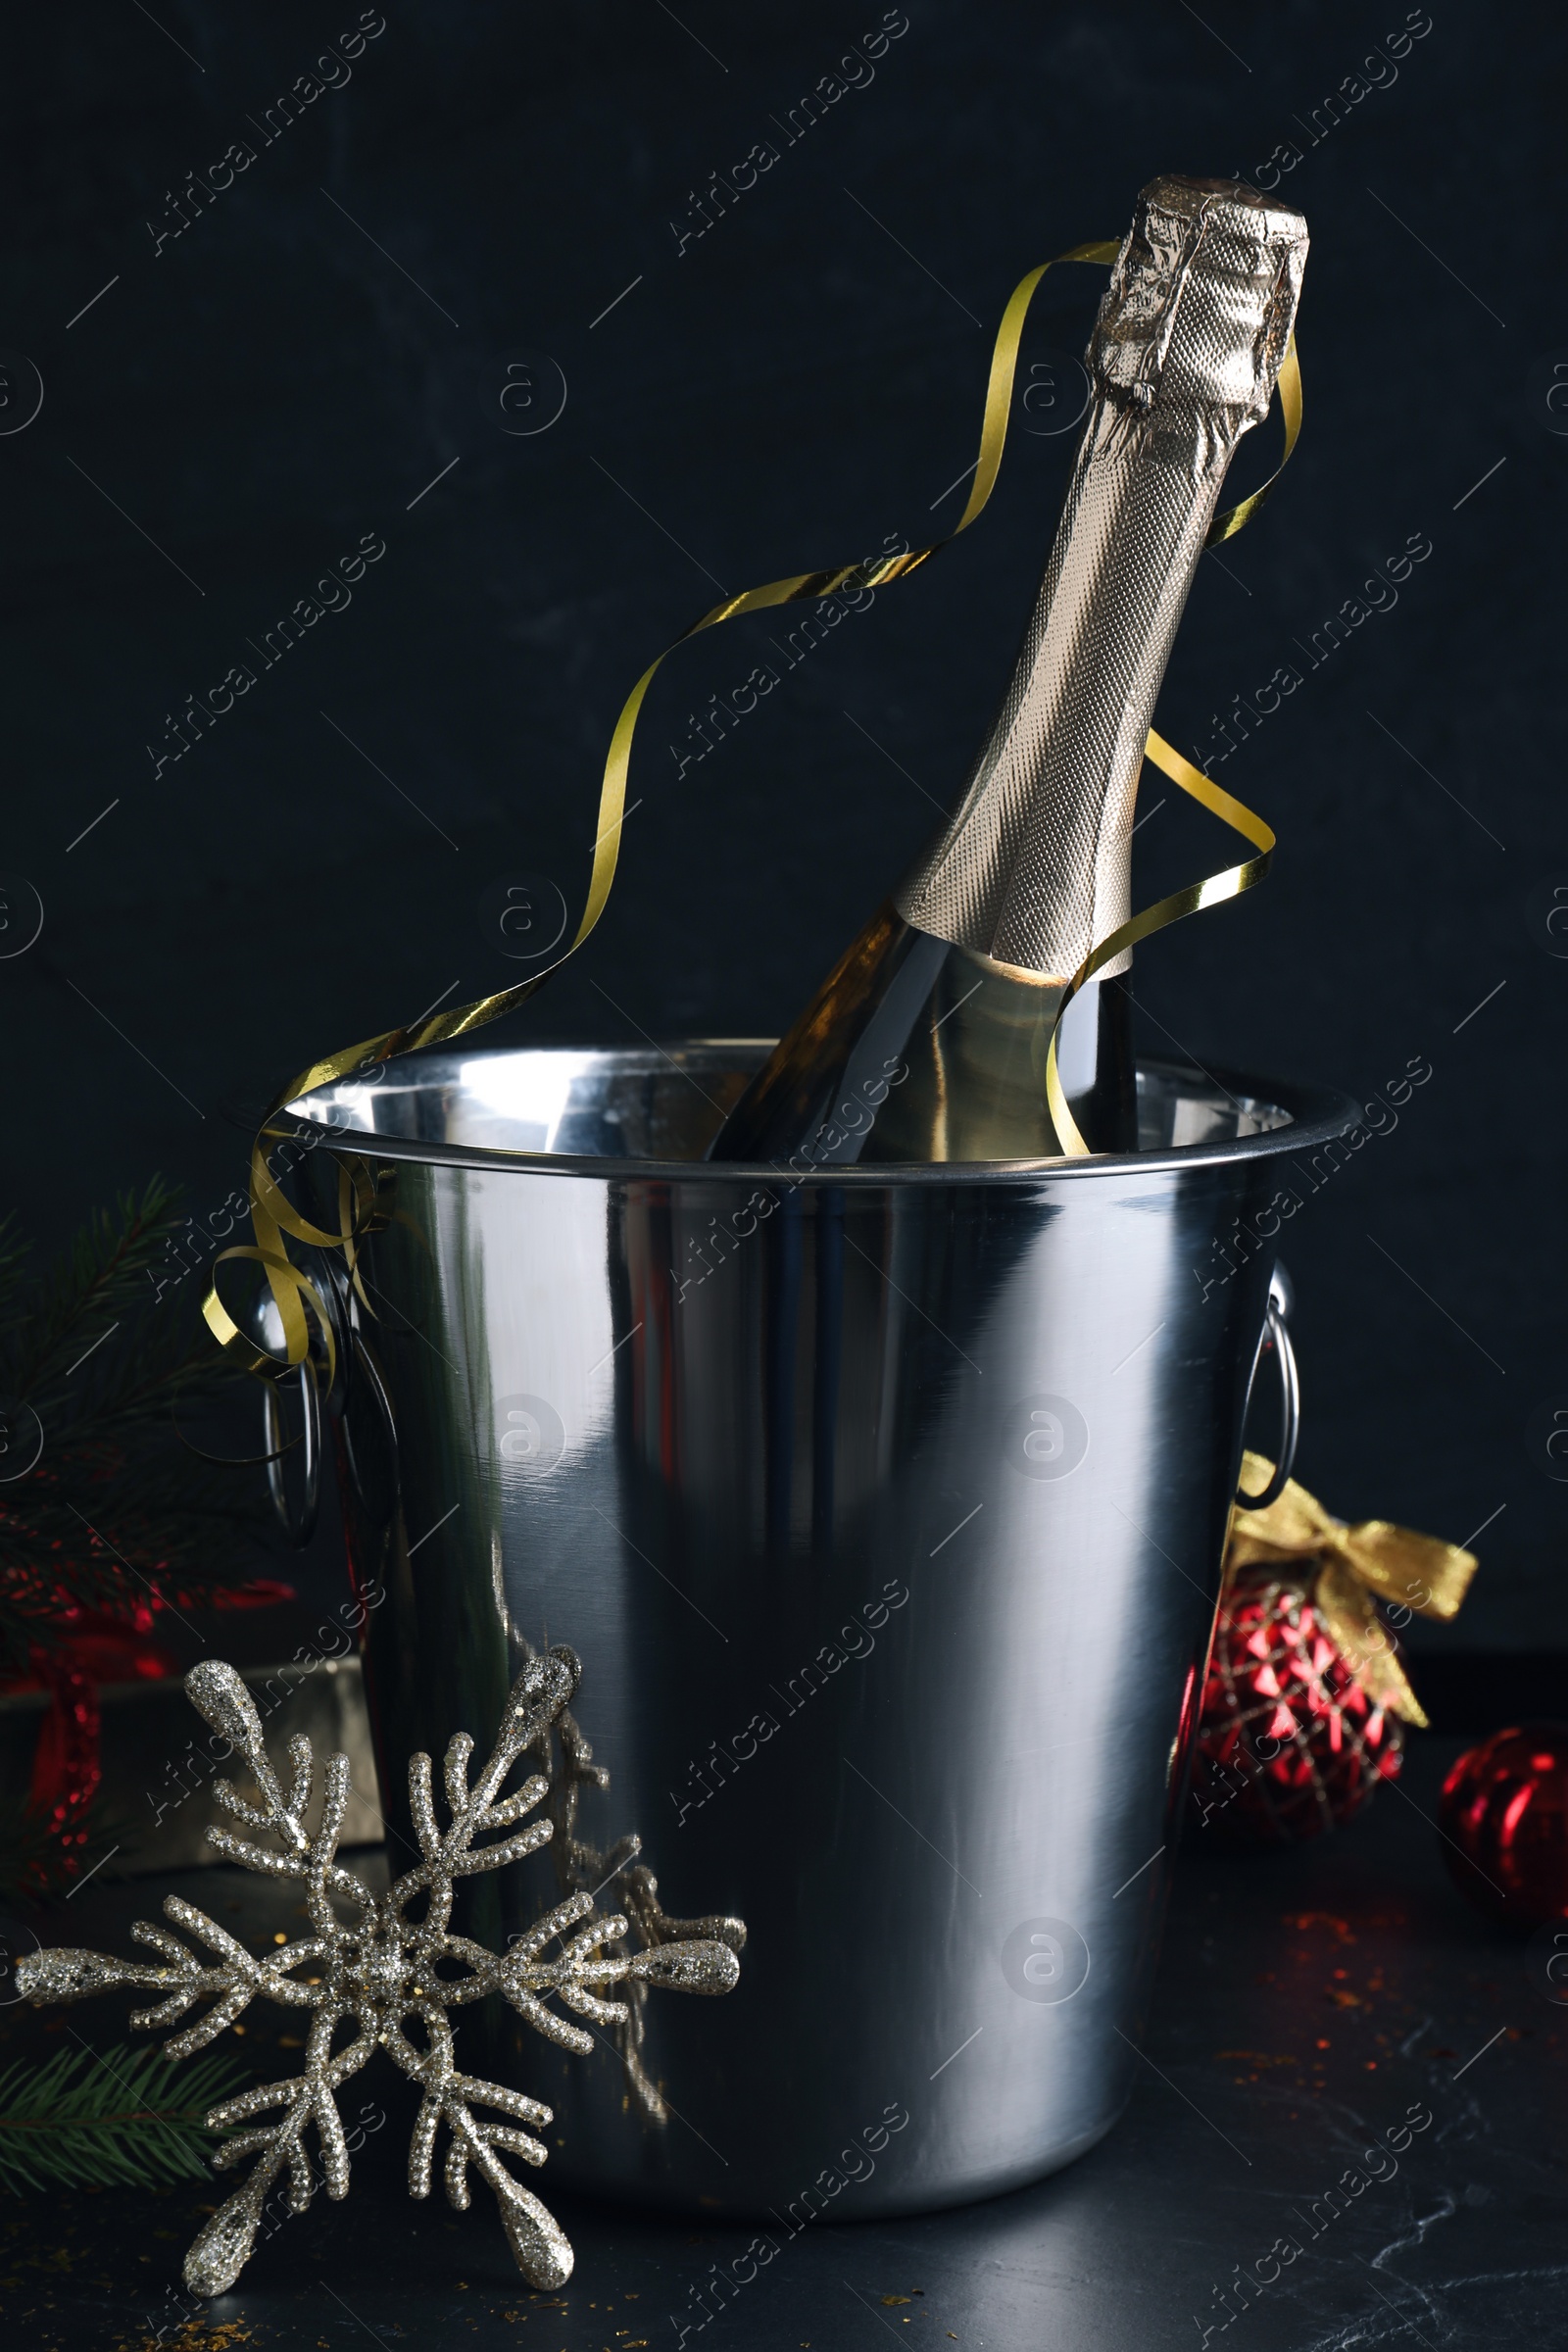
(1034, 867)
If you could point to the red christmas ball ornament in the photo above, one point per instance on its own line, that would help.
(1504, 1818)
(1289, 1743)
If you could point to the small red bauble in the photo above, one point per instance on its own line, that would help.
(1504, 1818)
(1289, 1743)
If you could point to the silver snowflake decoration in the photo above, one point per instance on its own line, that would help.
(383, 1971)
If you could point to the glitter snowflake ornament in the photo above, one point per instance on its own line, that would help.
(383, 1971)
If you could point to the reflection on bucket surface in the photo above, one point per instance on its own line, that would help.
(1048, 1437)
(530, 1432)
(1000, 1395)
(1046, 1960)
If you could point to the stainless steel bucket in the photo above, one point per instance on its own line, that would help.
(884, 1510)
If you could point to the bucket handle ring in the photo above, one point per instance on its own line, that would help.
(299, 1528)
(1276, 1329)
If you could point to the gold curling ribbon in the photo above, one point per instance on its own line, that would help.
(1357, 1566)
(1212, 891)
(274, 1216)
(1215, 888)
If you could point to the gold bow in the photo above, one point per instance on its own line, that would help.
(1360, 1565)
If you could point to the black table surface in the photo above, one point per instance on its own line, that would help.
(1314, 2005)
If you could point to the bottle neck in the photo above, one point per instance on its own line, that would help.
(1033, 869)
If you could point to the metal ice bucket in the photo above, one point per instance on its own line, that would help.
(885, 1511)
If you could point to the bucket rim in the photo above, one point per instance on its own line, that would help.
(1315, 1115)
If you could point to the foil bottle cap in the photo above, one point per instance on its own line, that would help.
(1033, 869)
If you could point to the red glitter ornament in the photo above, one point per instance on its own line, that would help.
(1504, 1818)
(1289, 1743)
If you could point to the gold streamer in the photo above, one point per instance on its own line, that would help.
(1211, 891)
(273, 1216)
(1234, 519)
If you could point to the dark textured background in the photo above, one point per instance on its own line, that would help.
(277, 381)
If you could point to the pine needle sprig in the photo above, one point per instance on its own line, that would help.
(123, 2119)
(101, 1273)
(102, 1285)
(116, 1510)
(15, 1254)
(32, 1861)
(102, 1353)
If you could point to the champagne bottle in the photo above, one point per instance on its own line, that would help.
(927, 1041)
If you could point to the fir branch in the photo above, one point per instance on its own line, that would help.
(102, 1275)
(156, 1546)
(116, 1510)
(14, 1256)
(117, 1519)
(123, 2119)
(66, 1365)
(33, 1865)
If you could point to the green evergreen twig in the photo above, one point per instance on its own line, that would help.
(117, 1515)
(123, 2119)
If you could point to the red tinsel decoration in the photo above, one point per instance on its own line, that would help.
(67, 1765)
(89, 1647)
(1289, 1743)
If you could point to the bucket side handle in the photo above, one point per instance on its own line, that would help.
(298, 1525)
(1276, 1334)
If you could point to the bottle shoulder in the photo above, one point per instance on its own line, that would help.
(916, 1049)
